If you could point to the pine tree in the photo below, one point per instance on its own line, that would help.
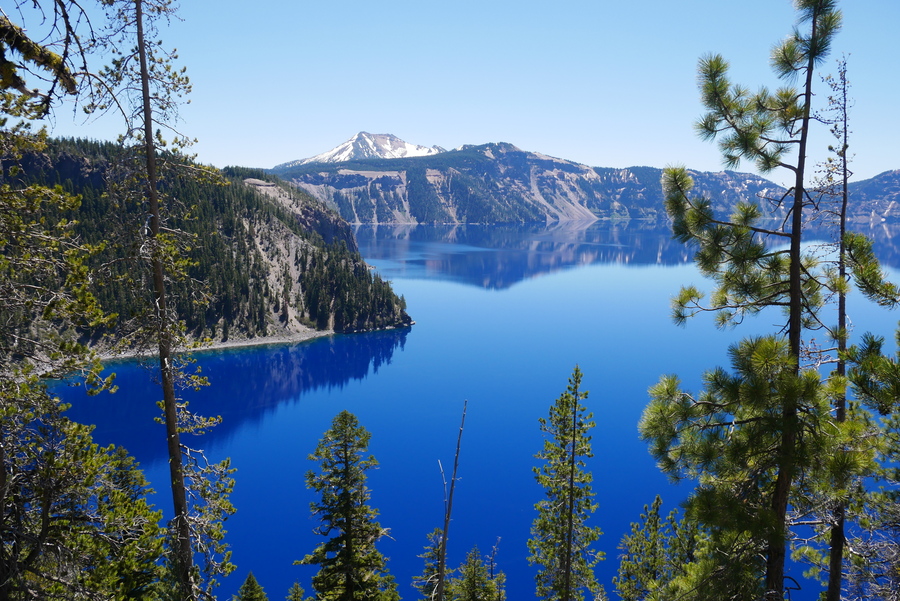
(561, 539)
(145, 86)
(873, 571)
(350, 566)
(475, 583)
(74, 517)
(46, 302)
(296, 593)
(752, 271)
(655, 552)
(839, 474)
(498, 578)
(143, 77)
(427, 583)
(251, 590)
(642, 564)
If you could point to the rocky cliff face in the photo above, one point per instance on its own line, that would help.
(499, 183)
(876, 199)
(312, 217)
(386, 182)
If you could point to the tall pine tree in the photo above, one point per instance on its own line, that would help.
(144, 86)
(561, 539)
(350, 566)
(755, 266)
(296, 593)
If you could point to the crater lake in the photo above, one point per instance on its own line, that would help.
(503, 315)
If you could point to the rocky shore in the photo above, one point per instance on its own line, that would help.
(276, 339)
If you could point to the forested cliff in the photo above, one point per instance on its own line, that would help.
(266, 259)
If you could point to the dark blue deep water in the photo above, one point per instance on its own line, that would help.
(503, 314)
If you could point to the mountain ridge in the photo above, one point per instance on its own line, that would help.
(500, 183)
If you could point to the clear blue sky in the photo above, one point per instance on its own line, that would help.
(599, 82)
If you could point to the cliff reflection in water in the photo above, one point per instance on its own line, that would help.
(246, 383)
(885, 238)
(499, 256)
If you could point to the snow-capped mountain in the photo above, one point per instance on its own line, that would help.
(368, 146)
(500, 183)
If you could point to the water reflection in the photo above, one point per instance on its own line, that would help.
(247, 385)
(499, 256)
(885, 241)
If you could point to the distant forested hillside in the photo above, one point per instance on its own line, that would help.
(263, 259)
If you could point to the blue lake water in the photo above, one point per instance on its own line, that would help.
(503, 314)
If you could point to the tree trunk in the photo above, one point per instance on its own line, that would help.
(445, 533)
(837, 538)
(570, 510)
(776, 552)
(183, 553)
(349, 551)
(6, 560)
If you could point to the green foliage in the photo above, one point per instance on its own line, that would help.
(726, 567)
(428, 209)
(427, 583)
(754, 439)
(654, 554)
(251, 590)
(350, 566)
(750, 270)
(342, 293)
(144, 85)
(874, 375)
(74, 516)
(46, 297)
(764, 126)
(874, 568)
(561, 542)
(296, 593)
(475, 581)
(868, 275)
(731, 438)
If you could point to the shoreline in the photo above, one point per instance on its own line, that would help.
(274, 340)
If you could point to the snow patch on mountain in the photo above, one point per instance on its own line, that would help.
(368, 146)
